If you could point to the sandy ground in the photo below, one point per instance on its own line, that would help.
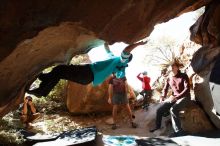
(144, 119)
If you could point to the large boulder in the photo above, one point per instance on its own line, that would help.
(204, 97)
(83, 99)
(206, 32)
(194, 119)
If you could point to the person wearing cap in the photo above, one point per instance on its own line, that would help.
(29, 112)
(117, 91)
(179, 84)
(146, 88)
(84, 74)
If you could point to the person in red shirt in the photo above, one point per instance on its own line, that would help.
(146, 88)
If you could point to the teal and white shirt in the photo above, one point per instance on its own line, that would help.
(102, 69)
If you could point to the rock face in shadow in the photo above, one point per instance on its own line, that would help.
(206, 32)
(124, 20)
(203, 95)
(37, 34)
(52, 45)
(194, 119)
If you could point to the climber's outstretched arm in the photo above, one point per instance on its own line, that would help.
(107, 49)
(129, 48)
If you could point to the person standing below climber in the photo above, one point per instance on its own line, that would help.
(146, 88)
(28, 112)
(118, 89)
(179, 84)
(86, 73)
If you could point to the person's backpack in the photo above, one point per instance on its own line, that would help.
(119, 85)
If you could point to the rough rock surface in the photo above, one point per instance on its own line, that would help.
(124, 20)
(55, 43)
(194, 119)
(83, 99)
(203, 95)
(206, 32)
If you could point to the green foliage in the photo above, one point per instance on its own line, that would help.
(80, 59)
(8, 130)
(59, 91)
(11, 137)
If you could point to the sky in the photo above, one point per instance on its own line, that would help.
(177, 29)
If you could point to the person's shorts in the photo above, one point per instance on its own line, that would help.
(119, 99)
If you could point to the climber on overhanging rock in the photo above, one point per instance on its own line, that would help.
(84, 74)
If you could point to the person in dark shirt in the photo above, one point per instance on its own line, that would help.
(179, 84)
(118, 89)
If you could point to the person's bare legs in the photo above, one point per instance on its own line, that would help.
(114, 116)
(23, 118)
(134, 125)
(127, 106)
